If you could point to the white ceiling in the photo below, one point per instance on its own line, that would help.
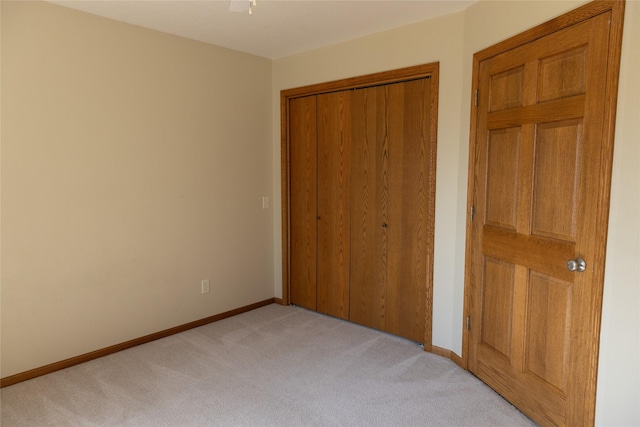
(277, 28)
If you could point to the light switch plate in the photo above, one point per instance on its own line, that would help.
(204, 286)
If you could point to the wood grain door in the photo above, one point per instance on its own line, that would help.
(408, 206)
(539, 176)
(369, 202)
(303, 201)
(334, 136)
(389, 209)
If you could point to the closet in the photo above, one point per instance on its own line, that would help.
(358, 193)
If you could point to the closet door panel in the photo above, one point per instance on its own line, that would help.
(334, 117)
(408, 133)
(369, 164)
(303, 195)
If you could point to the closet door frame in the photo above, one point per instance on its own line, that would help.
(431, 71)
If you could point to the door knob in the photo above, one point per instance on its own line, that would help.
(577, 264)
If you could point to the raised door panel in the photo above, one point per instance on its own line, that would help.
(503, 150)
(497, 306)
(555, 172)
(334, 135)
(548, 327)
(303, 195)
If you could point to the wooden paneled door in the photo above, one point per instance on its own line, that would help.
(539, 193)
(389, 191)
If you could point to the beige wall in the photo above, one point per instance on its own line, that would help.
(133, 166)
(452, 40)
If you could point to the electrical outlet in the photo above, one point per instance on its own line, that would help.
(265, 202)
(204, 286)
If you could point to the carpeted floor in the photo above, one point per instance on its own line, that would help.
(274, 366)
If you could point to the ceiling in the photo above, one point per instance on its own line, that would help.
(277, 28)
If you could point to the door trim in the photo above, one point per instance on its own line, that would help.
(431, 71)
(578, 15)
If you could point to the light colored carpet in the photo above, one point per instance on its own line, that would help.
(274, 366)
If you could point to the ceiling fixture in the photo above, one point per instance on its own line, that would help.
(242, 6)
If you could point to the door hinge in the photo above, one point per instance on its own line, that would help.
(475, 98)
(473, 212)
(468, 323)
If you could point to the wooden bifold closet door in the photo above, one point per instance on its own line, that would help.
(303, 158)
(333, 203)
(389, 173)
(360, 205)
(320, 203)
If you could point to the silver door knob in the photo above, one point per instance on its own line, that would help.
(577, 264)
